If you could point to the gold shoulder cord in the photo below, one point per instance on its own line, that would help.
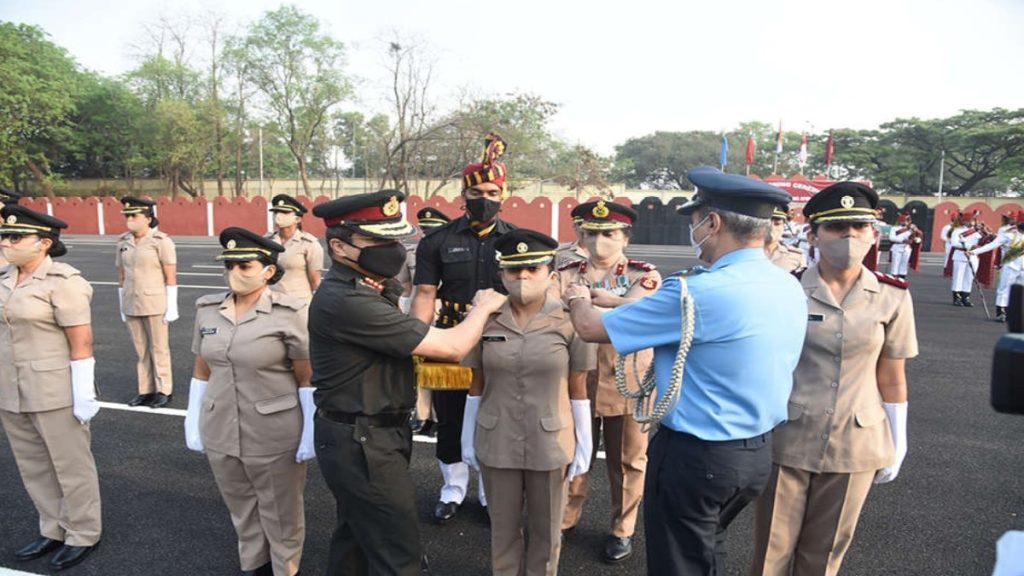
(642, 411)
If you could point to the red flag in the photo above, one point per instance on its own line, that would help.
(828, 150)
(751, 146)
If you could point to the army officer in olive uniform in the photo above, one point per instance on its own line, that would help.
(614, 280)
(361, 348)
(303, 256)
(148, 291)
(47, 390)
(529, 384)
(847, 424)
(251, 405)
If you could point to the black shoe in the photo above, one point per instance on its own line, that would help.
(445, 511)
(160, 400)
(415, 425)
(141, 400)
(39, 548)
(427, 428)
(617, 549)
(967, 301)
(68, 556)
(956, 299)
(1000, 314)
(265, 570)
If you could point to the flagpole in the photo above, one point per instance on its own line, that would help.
(942, 171)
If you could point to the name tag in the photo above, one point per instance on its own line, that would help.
(815, 317)
(494, 338)
(207, 331)
(457, 249)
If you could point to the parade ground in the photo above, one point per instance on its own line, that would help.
(961, 487)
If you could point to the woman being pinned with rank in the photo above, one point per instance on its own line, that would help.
(47, 391)
(527, 416)
(250, 405)
(614, 280)
(303, 257)
(147, 274)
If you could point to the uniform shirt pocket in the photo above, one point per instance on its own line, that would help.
(277, 404)
(552, 423)
(869, 416)
(457, 265)
(487, 420)
(794, 411)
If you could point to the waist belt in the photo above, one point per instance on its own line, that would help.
(756, 441)
(451, 313)
(378, 420)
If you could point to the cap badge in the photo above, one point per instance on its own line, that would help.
(522, 248)
(427, 214)
(232, 244)
(846, 202)
(391, 206)
(600, 210)
(280, 202)
(12, 219)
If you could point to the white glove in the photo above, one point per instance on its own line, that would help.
(403, 303)
(172, 304)
(897, 414)
(196, 391)
(120, 303)
(584, 438)
(469, 431)
(83, 388)
(306, 450)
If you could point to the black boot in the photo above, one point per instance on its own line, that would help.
(1000, 314)
(957, 299)
(967, 300)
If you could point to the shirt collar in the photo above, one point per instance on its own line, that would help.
(550, 312)
(741, 255)
(500, 226)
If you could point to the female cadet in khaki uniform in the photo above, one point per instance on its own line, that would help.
(7, 196)
(148, 291)
(47, 391)
(847, 420)
(789, 258)
(250, 406)
(529, 384)
(614, 280)
(303, 257)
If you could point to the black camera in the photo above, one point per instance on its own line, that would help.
(1008, 360)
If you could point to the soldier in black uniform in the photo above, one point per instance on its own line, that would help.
(453, 263)
(361, 348)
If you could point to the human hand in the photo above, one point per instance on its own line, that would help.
(489, 300)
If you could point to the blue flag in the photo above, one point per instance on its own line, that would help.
(723, 155)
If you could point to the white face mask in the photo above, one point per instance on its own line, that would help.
(21, 255)
(285, 219)
(604, 248)
(136, 224)
(845, 253)
(242, 284)
(697, 245)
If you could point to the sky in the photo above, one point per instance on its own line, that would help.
(622, 70)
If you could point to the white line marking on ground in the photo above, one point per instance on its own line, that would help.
(9, 572)
(181, 414)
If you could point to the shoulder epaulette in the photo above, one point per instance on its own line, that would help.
(309, 237)
(63, 270)
(211, 299)
(286, 300)
(159, 234)
(692, 271)
(641, 265)
(798, 273)
(125, 236)
(892, 280)
(571, 264)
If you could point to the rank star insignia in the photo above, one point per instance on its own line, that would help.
(846, 202)
(522, 248)
(649, 283)
(391, 206)
(12, 219)
(600, 210)
(232, 244)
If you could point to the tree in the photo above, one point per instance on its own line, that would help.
(297, 70)
(107, 140)
(38, 85)
(661, 160)
(580, 168)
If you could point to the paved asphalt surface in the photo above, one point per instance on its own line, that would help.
(961, 487)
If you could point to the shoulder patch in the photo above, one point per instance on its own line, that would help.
(641, 265)
(211, 299)
(63, 270)
(892, 280)
(571, 264)
(286, 300)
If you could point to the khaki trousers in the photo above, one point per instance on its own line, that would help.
(264, 496)
(625, 445)
(59, 473)
(544, 495)
(149, 335)
(804, 521)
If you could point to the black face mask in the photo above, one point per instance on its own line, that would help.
(482, 209)
(384, 260)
